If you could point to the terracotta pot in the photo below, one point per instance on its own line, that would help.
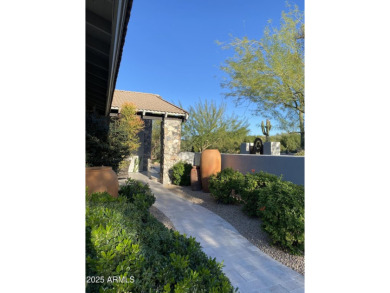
(196, 183)
(100, 179)
(210, 164)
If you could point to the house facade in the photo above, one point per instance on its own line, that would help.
(153, 107)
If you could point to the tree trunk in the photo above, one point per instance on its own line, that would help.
(302, 130)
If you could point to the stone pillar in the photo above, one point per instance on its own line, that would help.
(147, 144)
(170, 146)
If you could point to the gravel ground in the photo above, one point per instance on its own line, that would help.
(248, 227)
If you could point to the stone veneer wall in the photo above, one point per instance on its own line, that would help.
(170, 146)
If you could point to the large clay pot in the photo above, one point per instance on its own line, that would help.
(196, 184)
(210, 164)
(100, 179)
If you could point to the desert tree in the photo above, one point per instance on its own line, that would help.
(270, 72)
(209, 126)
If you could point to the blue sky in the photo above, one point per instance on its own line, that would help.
(171, 48)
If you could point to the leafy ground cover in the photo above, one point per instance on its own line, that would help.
(128, 250)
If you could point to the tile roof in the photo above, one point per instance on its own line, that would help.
(145, 101)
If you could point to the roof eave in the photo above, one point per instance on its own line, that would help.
(121, 22)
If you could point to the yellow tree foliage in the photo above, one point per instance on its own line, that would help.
(131, 124)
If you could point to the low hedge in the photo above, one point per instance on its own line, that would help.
(226, 185)
(128, 250)
(249, 192)
(138, 193)
(181, 174)
(280, 204)
(281, 207)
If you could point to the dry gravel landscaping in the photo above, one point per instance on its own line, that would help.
(249, 227)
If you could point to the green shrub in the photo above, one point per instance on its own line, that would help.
(300, 153)
(138, 193)
(281, 207)
(124, 241)
(102, 197)
(108, 140)
(250, 191)
(226, 185)
(181, 173)
(290, 142)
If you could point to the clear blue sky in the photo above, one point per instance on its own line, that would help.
(171, 48)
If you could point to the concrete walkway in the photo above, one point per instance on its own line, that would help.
(247, 267)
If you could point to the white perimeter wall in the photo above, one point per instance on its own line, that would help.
(291, 167)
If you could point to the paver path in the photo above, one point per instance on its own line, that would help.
(247, 267)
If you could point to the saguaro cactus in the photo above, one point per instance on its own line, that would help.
(266, 129)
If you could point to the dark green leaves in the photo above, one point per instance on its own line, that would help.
(181, 173)
(226, 186)
(123, 240)
(280, 204)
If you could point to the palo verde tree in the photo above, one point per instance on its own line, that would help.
(208, 126)
(270, 72)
